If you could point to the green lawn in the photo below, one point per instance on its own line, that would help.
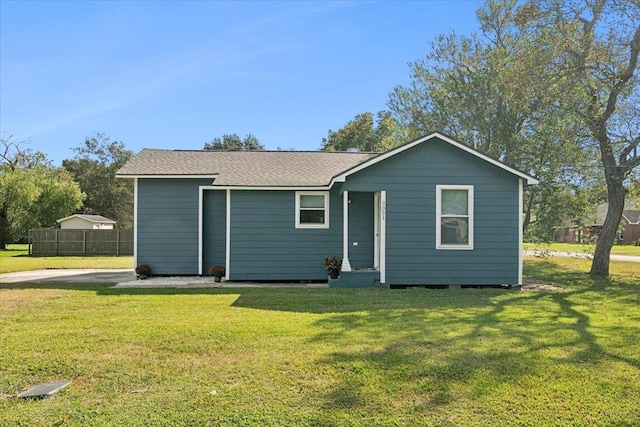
(327, 357)
(582, 248)
(16, 258)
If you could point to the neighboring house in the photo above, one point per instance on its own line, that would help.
(430, 212)
(588, 229)
(81, 221)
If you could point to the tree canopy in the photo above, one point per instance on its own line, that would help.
(366, 133)
(33, 193)
(232, 142)
(94, 167)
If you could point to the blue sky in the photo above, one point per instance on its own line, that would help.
(164, 74)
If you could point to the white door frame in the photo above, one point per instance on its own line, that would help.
(380, 233)
(376, 230)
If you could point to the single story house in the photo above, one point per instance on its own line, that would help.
(587, 230)
(86, 222)
(431, 212)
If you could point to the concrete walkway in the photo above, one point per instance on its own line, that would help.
(208, 282)
(127, 279)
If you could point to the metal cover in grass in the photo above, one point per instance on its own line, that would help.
(44, 390)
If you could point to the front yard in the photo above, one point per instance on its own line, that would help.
(16, 258)
(327, 357)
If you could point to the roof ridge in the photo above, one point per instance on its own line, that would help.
(263, 151)
(193, 150)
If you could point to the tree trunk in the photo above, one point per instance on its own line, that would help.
(601, 257)
(527, 212)
(4, 228)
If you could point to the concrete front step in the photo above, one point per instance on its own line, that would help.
(356, 279)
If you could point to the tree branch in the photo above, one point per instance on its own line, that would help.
(624, 76)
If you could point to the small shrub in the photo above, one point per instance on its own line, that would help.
(143, 270)
(217, 270)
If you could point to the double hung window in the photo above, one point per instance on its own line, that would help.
(454, 217)
(312, 209)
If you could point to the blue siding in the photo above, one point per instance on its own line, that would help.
(168, 224)
(214, 229)
(410, 180)
(265, 245)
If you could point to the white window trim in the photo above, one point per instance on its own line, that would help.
(326, 208)
(448, 246)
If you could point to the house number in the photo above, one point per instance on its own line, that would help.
(383, 210)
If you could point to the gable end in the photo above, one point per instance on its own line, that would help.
(342, 177)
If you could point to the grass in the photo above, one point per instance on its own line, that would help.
(16, 258)
(318, 357)
(581, 248)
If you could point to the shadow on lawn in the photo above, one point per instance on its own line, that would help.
(433, 349)
(300, 300)
(427, 345)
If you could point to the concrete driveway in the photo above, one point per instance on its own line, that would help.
(70, 275)
(127, 279)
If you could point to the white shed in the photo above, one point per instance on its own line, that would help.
(91, 222)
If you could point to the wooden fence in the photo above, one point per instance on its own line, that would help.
(59, 242)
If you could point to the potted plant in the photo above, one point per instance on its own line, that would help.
(143, 271)
(333, 266)
(217, 271)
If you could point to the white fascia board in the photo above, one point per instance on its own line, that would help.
(258, 188)
(342, 178)
(168, 176)
(232, 187)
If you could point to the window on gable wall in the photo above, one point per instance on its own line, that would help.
(454, 217)
(312, 209)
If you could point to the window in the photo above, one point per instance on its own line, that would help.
(312, 209)
(454, 217)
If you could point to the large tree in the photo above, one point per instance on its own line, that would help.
(232, 142)
(33, 193)
(94, 167)
(600, 44)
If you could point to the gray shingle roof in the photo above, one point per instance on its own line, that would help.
(246, 168)
(630, 212)
(633, 216)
